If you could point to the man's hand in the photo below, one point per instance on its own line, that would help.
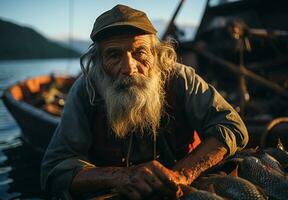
(135, 182)
(148, 178)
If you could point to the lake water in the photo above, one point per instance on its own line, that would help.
(19, 164)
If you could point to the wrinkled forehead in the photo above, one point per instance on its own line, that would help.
(126, 42)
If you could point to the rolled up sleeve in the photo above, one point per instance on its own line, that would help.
(209, 113)
(67, 152)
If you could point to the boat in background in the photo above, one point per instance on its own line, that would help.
(241, 48)
(36, 104)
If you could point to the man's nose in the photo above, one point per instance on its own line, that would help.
(129, 65)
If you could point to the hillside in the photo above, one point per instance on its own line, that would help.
(77, 44)
(18, 42)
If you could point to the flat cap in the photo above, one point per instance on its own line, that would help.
(119, 20)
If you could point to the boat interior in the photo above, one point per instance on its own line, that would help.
(47, 92)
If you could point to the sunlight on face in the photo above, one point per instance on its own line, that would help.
(127, 55)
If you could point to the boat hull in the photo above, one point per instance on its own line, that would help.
(37, 126)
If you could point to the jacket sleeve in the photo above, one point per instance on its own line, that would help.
(67, 152)
(208, 112)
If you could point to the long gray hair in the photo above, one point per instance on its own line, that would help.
(91, 62)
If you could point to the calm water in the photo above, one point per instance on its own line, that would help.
(19, 164)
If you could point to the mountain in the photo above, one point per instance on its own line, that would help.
(19, 42)
(76, 44)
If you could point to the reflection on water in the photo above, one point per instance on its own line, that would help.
(19, 164)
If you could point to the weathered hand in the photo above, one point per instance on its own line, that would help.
(148, 178)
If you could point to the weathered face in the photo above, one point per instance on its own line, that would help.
(131, 86)
(127, 55)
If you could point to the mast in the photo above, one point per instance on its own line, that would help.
(171, 23)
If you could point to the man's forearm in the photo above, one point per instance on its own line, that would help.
(93, 179)
(207, 154)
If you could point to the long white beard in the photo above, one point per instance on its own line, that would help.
(134, 104)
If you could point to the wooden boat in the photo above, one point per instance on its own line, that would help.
(36, 104)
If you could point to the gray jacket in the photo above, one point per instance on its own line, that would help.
(201, 106)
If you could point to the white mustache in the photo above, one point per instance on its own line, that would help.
(126, 82)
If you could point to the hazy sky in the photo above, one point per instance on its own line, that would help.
(51, 17)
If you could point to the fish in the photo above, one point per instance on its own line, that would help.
(271, 162)
(267, 157)
(279, 154)
(230, 187)
(274, 184)
(191, 193)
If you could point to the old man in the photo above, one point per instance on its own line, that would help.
(130, 121)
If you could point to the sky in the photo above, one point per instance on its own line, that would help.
(51, 17)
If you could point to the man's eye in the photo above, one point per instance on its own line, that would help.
(113, 55)
(141, 53)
